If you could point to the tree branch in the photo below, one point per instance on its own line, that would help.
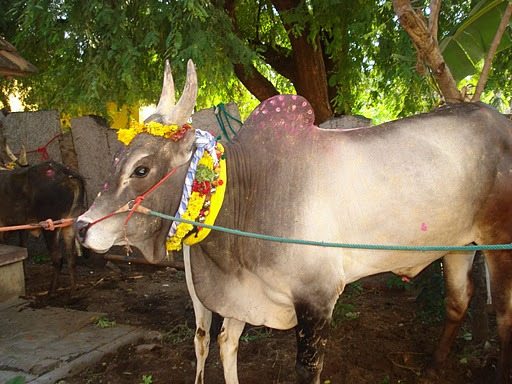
(492, 51)
(280, 60)
(428, 48)
(433, 21)
(255, 82)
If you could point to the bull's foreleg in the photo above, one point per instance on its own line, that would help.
(203, 318)
(459, 289)
(228, 340)
(312, 332)
(500, 269)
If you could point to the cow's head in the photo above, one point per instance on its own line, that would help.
(138, 167)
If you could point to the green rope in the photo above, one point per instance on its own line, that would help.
(221, 111)
(425, 248)
(222, 127)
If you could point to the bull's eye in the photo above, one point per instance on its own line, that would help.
(140, 171)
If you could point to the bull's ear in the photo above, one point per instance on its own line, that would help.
(186, 144)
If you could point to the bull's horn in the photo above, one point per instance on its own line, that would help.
(167, 98)
(22, 160)
(185, 106)
(9, 153)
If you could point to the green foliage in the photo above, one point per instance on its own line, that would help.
(40, 258)
(396, 282)
(90, 53)
(468, 45)
(179, 334)
(104, 322)
(430, 284)
(147, 379)
(343, 312)
(256, 333)
(16, 380)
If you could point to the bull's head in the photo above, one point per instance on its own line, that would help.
(138, 167)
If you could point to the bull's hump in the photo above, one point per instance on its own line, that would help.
(287, 115)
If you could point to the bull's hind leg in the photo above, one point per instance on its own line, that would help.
(500, 270)
(459, 289)
(312, 332)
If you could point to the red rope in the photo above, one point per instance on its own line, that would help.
(43, 150)
(139, 199)
(48, 225)
(134, 204)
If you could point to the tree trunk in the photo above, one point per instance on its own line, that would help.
(311, 81)
(428, 48)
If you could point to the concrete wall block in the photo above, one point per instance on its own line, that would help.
(95, 146)
(12, 278)
(34, 130)
(346, 122)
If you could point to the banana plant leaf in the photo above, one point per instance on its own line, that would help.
(469, 43)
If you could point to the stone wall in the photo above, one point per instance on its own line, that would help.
(95, 146)
(346, 122)
(34, 130)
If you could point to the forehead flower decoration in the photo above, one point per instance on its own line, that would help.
(173, 131)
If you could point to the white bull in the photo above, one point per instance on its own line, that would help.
(443, 178)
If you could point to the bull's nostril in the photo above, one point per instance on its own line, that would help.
(81, 229)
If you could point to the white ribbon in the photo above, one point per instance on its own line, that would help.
(203, 141)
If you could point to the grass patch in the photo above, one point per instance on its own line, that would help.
(178, 334)
(104, 322)
(254, 334)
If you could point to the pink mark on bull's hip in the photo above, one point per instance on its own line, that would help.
(50, 172)
(424, 227)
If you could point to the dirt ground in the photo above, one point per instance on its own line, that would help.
(383, 332)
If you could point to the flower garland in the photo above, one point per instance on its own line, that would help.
(205, 201)
(173, 132)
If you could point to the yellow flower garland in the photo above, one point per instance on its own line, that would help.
(197, 202)
(174, 132)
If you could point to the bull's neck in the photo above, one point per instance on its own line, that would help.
(238, 188)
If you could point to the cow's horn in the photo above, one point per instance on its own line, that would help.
(22, 160)
(167, 98)
(9, 153)
(185, 106)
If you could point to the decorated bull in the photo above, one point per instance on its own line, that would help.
(39, 192)
(442, 178)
